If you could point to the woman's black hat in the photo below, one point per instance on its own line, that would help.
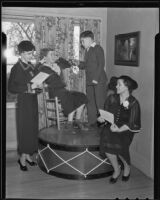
(130, 83)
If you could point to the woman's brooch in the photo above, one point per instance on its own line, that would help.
(126, 104)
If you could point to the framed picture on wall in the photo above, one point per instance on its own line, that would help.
(127, 49)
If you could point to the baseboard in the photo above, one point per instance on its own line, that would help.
(141, 163)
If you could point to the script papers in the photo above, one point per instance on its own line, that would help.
(39, 79)
(107, 116)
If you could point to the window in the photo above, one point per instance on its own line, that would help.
(16, 32)
(76, 41)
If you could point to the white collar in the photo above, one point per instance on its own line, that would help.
(93, 44)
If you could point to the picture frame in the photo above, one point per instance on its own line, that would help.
(127, 49)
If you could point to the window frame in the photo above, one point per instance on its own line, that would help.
(12, 19)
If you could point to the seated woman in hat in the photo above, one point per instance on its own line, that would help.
(117, 137)
(72, 102)
(27, 105)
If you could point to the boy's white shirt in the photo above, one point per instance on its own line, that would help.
(92, 45)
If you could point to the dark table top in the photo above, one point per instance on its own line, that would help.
(66, 137)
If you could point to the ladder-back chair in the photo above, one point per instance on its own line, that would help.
(53, 109)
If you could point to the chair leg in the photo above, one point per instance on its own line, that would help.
(45, 107)
(57, 113)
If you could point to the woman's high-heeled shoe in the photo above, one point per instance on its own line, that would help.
(31, 163)
(114, 180)
(126, 178)
(22, 167)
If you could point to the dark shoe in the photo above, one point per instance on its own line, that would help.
(23, 168)
(78, 124)
(31, 163)
(114, 180)
(94, 125)
(68, 125)
(125, 178)
(91, 126)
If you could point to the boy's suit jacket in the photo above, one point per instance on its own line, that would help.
(93, 64)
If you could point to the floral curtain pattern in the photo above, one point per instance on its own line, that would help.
(58, 33)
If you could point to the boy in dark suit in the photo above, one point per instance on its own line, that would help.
(96, 79)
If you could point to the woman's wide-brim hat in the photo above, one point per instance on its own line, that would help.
(25, 45)
(132, 84)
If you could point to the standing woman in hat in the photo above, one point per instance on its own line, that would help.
(27, 106)
(118, 136)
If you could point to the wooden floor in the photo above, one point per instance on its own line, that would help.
(36, 184)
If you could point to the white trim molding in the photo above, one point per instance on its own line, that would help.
(11, 105)
(30, 13)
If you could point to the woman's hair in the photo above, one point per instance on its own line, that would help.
(44, 52)
(86, 34)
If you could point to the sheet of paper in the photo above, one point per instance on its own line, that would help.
(39, 79)
(107, 116)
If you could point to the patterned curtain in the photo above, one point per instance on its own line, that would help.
(58, 33)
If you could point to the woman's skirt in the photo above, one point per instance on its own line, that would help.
(116, 143)
(70, 100)
(27, 123)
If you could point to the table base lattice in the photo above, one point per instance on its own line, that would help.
(81, 165)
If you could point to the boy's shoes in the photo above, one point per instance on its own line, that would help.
(92, 126)
(78, 124)
(69, 125)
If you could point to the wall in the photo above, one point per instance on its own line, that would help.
(11, 133)
(145, 20)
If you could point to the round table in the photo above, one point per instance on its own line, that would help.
(72, 155)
